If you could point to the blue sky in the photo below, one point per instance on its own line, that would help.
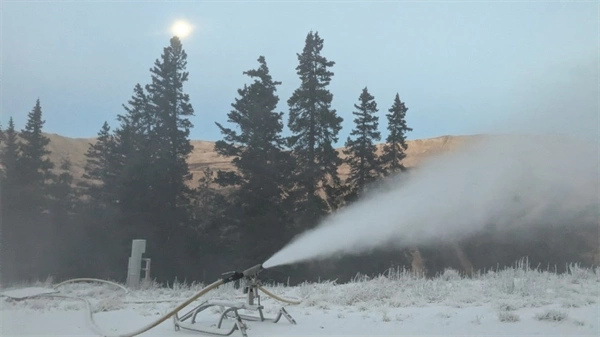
(460, 67)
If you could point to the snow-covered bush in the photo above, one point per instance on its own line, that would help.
(507, 316)
(552, 315)
(109, 304)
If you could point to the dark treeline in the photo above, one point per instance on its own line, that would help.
(137, 184)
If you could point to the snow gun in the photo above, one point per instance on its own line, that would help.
(228, 309)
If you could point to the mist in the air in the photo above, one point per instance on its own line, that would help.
(537, 167)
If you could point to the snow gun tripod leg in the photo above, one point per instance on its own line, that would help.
(251, 291)
(180, 323)
(231, 309)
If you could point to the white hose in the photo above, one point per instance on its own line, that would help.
(268, 293)
(172, 312)
(90, 312)
(91, 280)
(98, 330)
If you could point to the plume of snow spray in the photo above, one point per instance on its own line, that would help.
(510, 180)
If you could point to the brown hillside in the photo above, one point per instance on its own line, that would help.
(204, 155)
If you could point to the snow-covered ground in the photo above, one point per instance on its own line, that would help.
(518, 301)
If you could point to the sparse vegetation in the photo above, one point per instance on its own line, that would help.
(385, 316)
(477, 320)
(402, 317)
(552, 315)
(109, 304)
(329, 298)
(507, 316)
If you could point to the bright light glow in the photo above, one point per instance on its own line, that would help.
(181, 29)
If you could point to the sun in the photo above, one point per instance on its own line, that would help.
(181, 29)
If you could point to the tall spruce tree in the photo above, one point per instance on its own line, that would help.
(35, 168)
(361, 149)
(260, 159)
(395, 147)
(213, 226)
(167, 203)
(315, 127)
(169, 108)
(34, 178)
(12, 232)
(103, 217)
(123, 159)
(10, 155)
(136, 148)
(136, 125)
(64, 196)
(99, 169)
(209, 205)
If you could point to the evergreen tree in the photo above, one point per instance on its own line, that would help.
(9, 155)
(63, 194)
(166, 206)
(101, 214)
(9, 184)
(118, 172)
(135, 153)
(28, 218)
(99, 169)
(361, 150)
(213, 226)
(34, 165)
(169, 107)
(10, 203)
(259, 156)
(136, 125)
(395, 147)
(315, 127)
(206, 197)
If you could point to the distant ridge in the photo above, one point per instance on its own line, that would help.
(204, 154)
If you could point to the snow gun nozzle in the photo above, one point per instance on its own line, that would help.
(236, 275)
(253, 271)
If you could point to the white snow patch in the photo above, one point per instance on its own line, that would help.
(22, 293)
(398, 303)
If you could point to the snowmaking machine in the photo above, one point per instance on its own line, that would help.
(231, 309)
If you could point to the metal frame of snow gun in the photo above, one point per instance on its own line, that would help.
(229, 309)
(250, 275)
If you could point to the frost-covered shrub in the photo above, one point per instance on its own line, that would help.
(552, 315)
(504, 306)
(579, 274)
(477, 320)
(385, 317)
(450, 275)
(109, 304)
(507, 316)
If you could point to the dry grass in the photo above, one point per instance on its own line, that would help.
(204, 155)
(552, 315)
